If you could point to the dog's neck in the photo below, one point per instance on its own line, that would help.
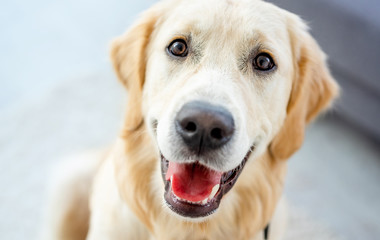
(243, 212)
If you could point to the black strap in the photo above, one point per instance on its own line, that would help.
(266, 232)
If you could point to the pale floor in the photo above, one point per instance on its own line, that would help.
(336, 177)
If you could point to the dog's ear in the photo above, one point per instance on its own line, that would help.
(313, 89)
(128, 55)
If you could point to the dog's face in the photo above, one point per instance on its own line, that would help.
(216, 91)
(217, 85)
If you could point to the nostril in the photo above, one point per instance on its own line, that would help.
(191, 127)
(216, 133)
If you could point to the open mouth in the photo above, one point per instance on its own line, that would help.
(194, 190)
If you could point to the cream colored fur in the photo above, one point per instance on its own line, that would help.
(270, 110)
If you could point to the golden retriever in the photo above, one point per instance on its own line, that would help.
(220, 93)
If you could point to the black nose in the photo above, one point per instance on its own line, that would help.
(203, 126)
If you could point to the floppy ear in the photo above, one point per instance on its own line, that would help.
(128, 55)
(313, 90)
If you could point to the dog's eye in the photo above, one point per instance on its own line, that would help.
(263, 62)
(178, 48)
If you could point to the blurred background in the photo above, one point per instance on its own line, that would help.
(59, 96)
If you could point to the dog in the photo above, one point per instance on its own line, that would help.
(219, 95)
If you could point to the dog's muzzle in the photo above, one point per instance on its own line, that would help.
(192, 189)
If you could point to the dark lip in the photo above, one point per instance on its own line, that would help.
(193, 210)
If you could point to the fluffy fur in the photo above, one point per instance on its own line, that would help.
(270, 110)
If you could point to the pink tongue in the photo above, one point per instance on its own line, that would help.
(192, 182)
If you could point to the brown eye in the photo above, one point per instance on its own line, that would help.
(263, 62)
(178, 48)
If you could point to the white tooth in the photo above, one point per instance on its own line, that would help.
(204, 201)
(171, 179)
(214, 191)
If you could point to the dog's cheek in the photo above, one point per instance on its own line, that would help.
(255, 111)
(246, 107)
(166, 137)
(154, 108)
(278, 101)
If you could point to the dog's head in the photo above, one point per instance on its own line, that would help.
(217, 84)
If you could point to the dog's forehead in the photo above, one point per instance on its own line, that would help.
(224, 33)
(226, 28)
(241, 17)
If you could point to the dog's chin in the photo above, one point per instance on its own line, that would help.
(192, 208)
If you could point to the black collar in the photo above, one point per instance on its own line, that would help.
(266, 232)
